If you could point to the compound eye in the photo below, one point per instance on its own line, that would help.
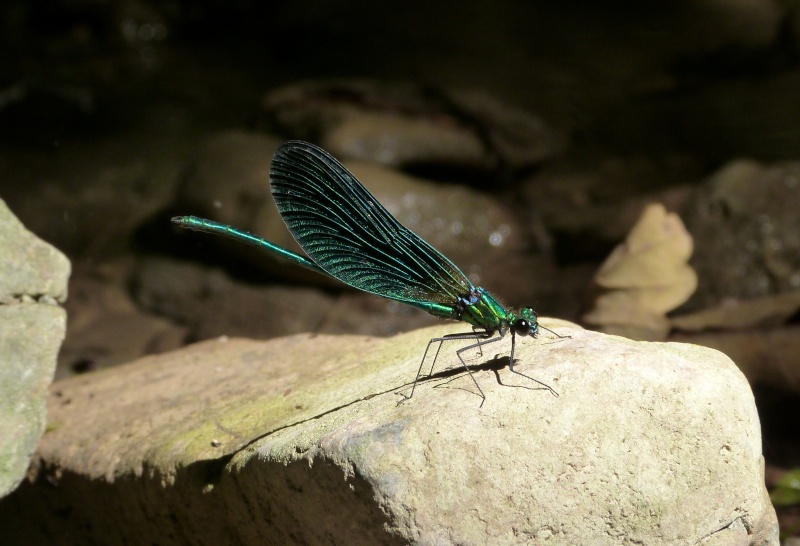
(522, 327)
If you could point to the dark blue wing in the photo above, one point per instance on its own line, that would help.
(347, 233)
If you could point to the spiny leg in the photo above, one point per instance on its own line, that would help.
(476, 333)
(511, 368)
(473, 346)
(440, 340)
(422, 363)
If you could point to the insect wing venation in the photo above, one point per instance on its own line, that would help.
(350, 235)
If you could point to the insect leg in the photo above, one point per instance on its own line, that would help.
(511, 368)
(440, 340)
(477, 332)
(479, 344)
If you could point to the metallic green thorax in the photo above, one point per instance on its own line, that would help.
(484, 311)
(479, 308)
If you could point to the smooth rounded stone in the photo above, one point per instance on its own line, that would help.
(761, 313)
(302, 440)
(364, 314)
(229, 177)
(394, 140)
(33, 277)
(228, 182)
(746, 228)
(520, 138)
(212, 304)
(765, 356)
(409, 124)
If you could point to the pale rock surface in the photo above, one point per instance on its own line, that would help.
(300, 440)
(33, 279)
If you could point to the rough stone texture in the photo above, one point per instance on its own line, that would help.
(299, 440)
(33, 276)
(28, 265)
(747, 232)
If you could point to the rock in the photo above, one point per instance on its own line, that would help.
(301, 440)
(33, 277)
(747, 232)
(519, 138)
(228, 182)
(212, 304)
(395, 140)
(590, 203)
(644, 277)
(90, 198)
(229, 178)
(393, 125)
(733, 314)
(362, 313)
(106, 327)
(407, 124)
(30, 267)
(766, 357)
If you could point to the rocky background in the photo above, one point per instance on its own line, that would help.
(525, 140)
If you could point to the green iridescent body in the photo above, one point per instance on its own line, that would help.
(347, 234)
(477, 307)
